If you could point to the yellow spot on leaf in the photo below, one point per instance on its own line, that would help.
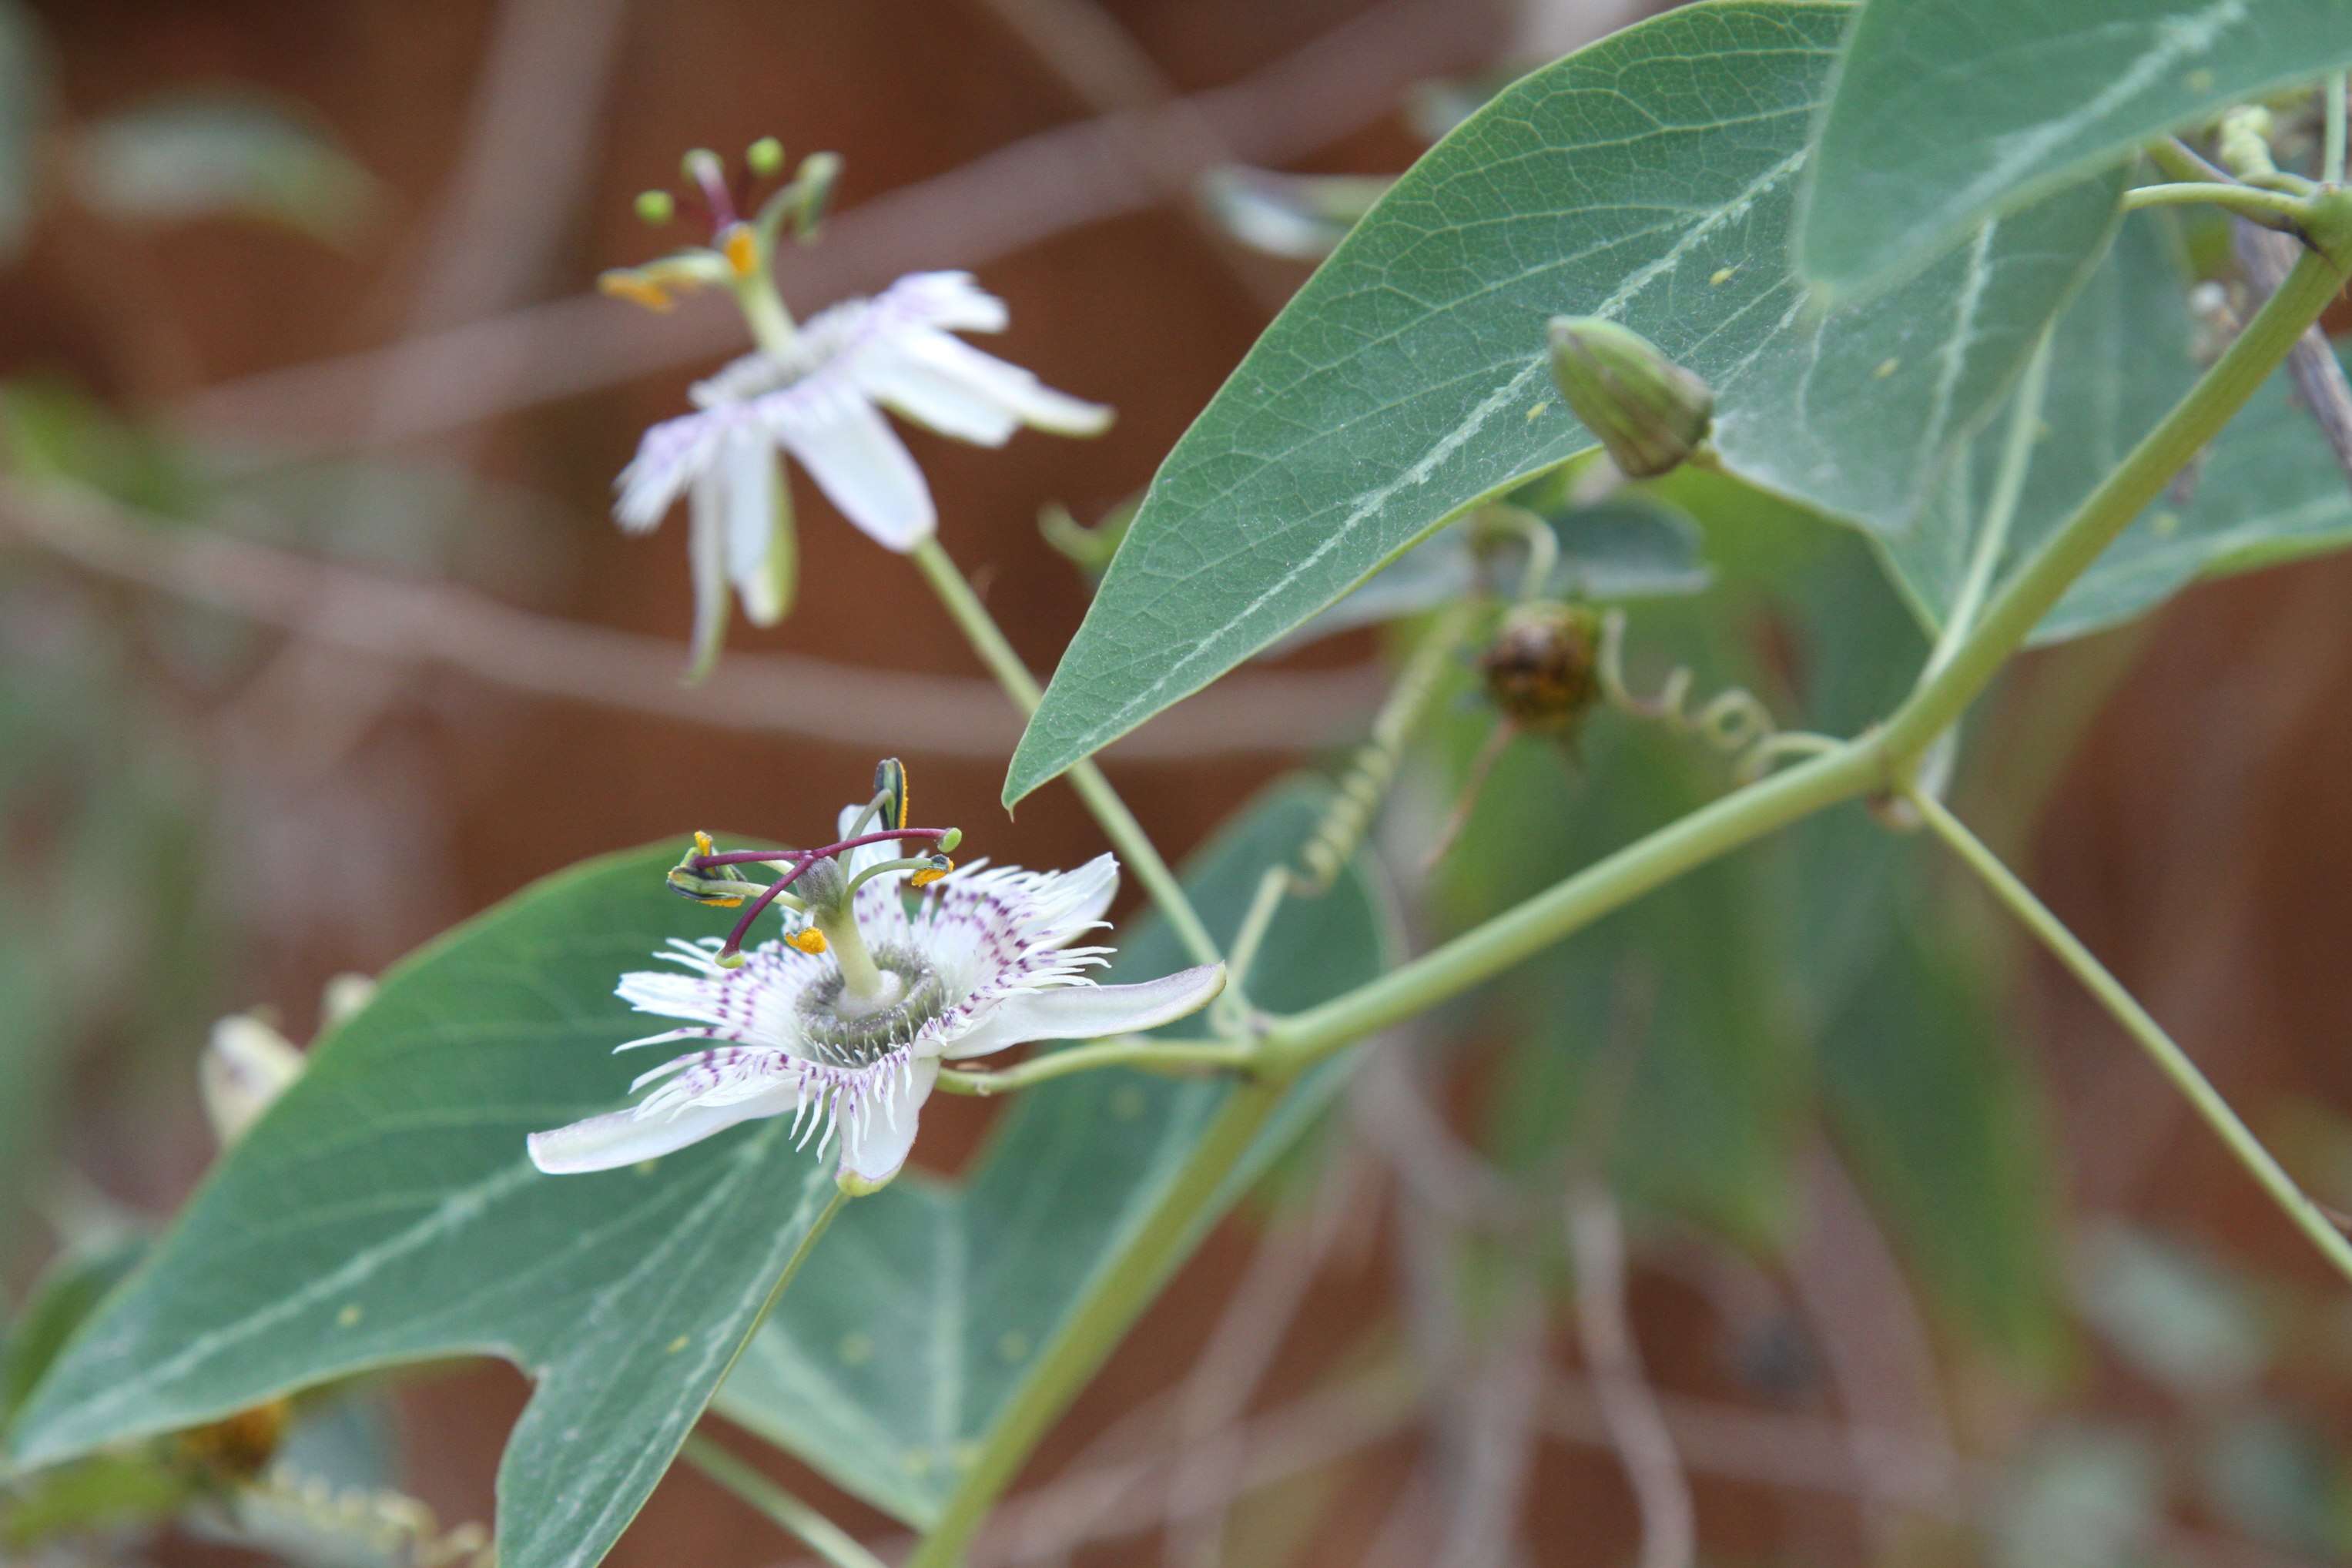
(2199, 80)
(349, 1317)
(1886, 367)
(1721, 276)
(2165, 525)
(855, 1349)
(678, 1344)
(1126, 1102)
(1537, 411)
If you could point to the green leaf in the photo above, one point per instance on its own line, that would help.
(1947, 1134)
(885, 1367)
(1651, 179)
(1948, 111)
(63, 1299)
(205, 155)
(2267, 489)
(383, 1212)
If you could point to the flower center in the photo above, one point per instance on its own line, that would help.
(849, 1031)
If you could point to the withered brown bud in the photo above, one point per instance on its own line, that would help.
(1542, 668)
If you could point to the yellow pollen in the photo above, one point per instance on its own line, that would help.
(809, 940)
(635, 288)
(930, 874)
(702, 844)
(743, 249)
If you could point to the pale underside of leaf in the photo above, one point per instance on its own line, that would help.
(1946, 111)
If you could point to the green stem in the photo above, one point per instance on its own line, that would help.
(2168, 1057)
(1117, 823)
(2272, 209)
(1519, 932)
(1123, 1286)
(1172, 1056)
(815, 1532)
(2000, 506)
(2175, 157)
(2019, 607)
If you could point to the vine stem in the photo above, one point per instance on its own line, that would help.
(2331, 156)
(1944, 692)
(1117, 823)
(2169, 1059)
(1119, 1293)
(2274, 209)
(815, 1532)
(2000, 506)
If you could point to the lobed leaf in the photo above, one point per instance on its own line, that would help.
(383, 1212)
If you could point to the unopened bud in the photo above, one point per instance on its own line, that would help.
(1649, 412)
(1542, 670)
(246, 1065)
(765, 157)
(655, 207)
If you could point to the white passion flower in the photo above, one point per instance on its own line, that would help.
(844, 1023)
(816, 395)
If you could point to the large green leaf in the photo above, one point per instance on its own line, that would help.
(1945, 110)
(383, 1212)
(1650, 178)
(887, 1364)
(2265, 490)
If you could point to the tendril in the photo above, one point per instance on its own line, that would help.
(1734, 722)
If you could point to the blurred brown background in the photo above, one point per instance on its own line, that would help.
(2199, 840)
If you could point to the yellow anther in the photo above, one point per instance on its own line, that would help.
(742, 248)
(622, 283)
(809, 940)
(940, 867)
(702, 844)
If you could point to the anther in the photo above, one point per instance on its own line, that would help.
(932, 870)
(742, 248)
(809, 940)
(623, 283)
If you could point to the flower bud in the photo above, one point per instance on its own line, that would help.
(1649, 412)
(1542, 670)
(246, 1065)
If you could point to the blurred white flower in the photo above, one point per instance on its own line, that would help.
(818, 399)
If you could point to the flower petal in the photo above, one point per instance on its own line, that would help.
(626, 1137)
(669, 455)
(748, 481)
(854, 456)
(954, 300)
(875, 1142)
(706, 555)
(1090, 1011)
(948, 360)
(920, 392)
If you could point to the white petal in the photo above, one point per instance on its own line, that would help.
(748, 478)
(1010, 388)
(670, 454)
(706, 554)
(949, 299)
(918, 392)
(875, 1143)
(625, 1137)
(1090, 1011)
(851, 453)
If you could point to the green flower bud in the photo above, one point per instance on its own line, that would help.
(765, 157)
(1649, 412)
(655, 207)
